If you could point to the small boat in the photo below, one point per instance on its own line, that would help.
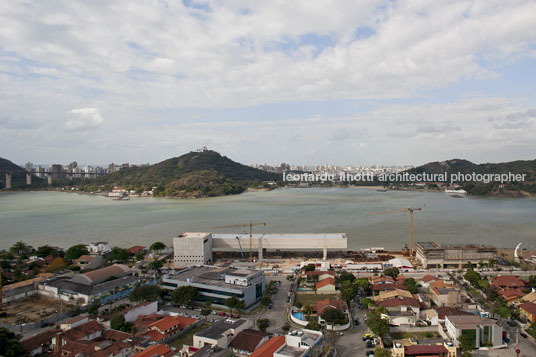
(382, 190)
(124, 198)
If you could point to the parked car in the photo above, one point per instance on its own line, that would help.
(369, 344)
(524, 335)
(369, 353)
(221, 313)
(270, 305)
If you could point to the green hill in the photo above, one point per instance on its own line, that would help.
(18, 176)
(196, 174)
(454, 166)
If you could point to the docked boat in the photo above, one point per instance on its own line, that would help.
(459, 192)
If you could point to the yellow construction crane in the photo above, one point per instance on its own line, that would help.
(410, 210)
(245, 225)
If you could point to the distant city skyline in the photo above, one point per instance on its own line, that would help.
(337, 82)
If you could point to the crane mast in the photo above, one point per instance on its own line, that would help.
(410, 210)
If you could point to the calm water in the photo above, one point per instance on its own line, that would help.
(64, 219)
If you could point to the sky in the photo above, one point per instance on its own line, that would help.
(300, 82)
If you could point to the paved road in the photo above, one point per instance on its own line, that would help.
(277, 315)
(351, 343)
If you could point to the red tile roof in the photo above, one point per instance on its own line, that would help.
(269, 347)
(510, 281)
(328, 303)
(172, 322)
(83, 330)
(428, 278)
(318, 273)
(422, 349)
(449, 311)
(135, 249)
(529, 307)
(247, 340)
(400, 301)
(325, 282)
(510, 293)
(34, 342)
(155, 350)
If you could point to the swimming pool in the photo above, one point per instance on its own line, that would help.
(299, 315)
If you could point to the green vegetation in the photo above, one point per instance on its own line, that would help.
(392, 272)
(187, 338)
(93, 308)
(9, 344)
(118, 255)
(376, 324)
(234, 303)
(145, 293)
(157, 247)
(75, 252)
(480, 188)
(196, 174)
(263, 324)
(183, 295)
(411, 285)
(334, 316)
(380, 352)
(313, 325)
(119, 323)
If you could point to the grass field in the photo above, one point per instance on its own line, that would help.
(187, 338)
(312, 299)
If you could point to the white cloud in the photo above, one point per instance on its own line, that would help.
(84, 118)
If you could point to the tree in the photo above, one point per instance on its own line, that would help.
(21, 249)
(263, 324)
(346, 276)
(145, 293)
(75, 252)
(307, 310)
(118, 322)
(232, 303)
(381, 352)
(46, 250)
(93, 308)
(313, 325)
(309, 267)
(9, 344)
(376, 324)
(265, 300)
(503, 312)
(473, 277)
(348, 290)
(157, 247)
(334, 316)
(483, 284)
(139, 256)
(118, 254)
(411, 285)
(363, 284)
(466, 343)
(156, 265)
(185, 294)
(392, 272)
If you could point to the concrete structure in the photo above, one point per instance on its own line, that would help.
(430, 254)
(482, 330)
(447, 349)
(448, 297)
(283, 241)
(107, 284)
(218, 284)
(22, 289)
(8, 180)
(87, 262)
(220, 334)
(99, 248)
(192, 248)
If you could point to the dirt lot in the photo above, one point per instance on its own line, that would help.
(32, 309)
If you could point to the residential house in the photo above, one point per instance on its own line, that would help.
(507, 281)
(294, 344)
(329, 304)
(156, 351)
(318, 275)
(385, 295)
(326, 286)
(220, 334)
(446, 349)
(39, 344)
(87, 262)
(449, 297)
(530, 297)
(528, 310)
(512, 295)
(483, 331)
(99, 248)
(401, 310)
(270, 347)
(248, 341)
(167, 328)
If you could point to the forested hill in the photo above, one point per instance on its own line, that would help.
(196, 174)
(453, 166)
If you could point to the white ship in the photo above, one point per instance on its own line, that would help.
(456, 192)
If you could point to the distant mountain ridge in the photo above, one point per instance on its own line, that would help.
(195, 174)
(453, 166)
